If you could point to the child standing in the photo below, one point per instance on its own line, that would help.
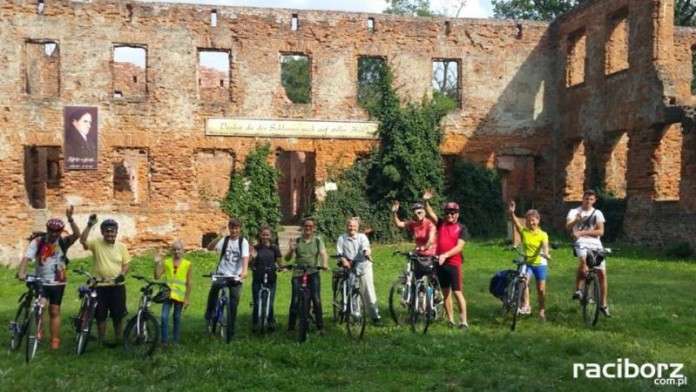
(536, 249)
(177, 273)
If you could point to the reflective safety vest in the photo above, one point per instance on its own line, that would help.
(176, 281)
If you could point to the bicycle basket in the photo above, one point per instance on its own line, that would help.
(162, 296)
(338, 273)
(424, 265)
(82, 291)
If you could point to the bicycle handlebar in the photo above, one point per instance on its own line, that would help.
(150, 281)
(215, 277)
(303, 267)
(91, 280)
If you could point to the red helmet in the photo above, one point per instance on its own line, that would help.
(55, 224)
(451, 206)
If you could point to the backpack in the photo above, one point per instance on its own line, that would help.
(499, 281)
(42, 242)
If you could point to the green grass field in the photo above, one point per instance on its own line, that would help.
(651, 300)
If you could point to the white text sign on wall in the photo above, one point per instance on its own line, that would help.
(291, 128)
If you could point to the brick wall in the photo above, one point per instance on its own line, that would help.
(160, 176)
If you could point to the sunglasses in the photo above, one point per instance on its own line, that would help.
(311, 226)
(451, 212)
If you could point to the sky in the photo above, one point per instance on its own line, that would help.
(472, 8)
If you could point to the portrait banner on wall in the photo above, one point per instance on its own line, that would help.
(80, 146)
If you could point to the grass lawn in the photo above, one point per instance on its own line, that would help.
(651, 300)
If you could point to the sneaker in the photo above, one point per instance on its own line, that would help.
(254, 328)
(605, 311)
(39, 334)
(463, 326)
(577, 295)
(451, 323)
(542, 317)
(272, 327)
(55, 343)
(377, 322)
(525, 310)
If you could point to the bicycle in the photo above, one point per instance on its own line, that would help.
(589, 287)
(405, 306)
(29, 318)
(517, 284)
(141, 336)
(263, 308)
(302, 303)
(88, 307)
(222, 314)
(348, 305)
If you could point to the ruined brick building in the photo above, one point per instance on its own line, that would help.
(603, 91)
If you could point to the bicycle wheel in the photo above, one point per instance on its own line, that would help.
(303, 302)
(337, 304)
(418, 309)
(84, 325)
(17, 327)
(508, 298)
(590, 300)
(33, 328)
(356, 318)
(429, 315)
(399, 301)
(264, 309)
(438, 299)
(517, 302)
(141, 335)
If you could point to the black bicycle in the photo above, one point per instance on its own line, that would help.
(517, 283)
(302, 303)
(28, 320)
(263, 308)
(88, 307)
(348, 305)
(221, 320)
(415, 298)
(590, 289)
(142, 333)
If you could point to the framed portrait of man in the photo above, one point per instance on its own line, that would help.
(81, 138)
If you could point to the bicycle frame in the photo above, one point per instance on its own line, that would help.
(223, 302)
(83, 321)
(591, 290)
(30, 311)
(264, 308)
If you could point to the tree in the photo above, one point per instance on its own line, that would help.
(295, 77)
(532, 9)
(409, 7)
(684, 12)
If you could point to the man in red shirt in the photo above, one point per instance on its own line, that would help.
(451, 237)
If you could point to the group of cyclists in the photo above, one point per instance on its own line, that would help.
(443, 237)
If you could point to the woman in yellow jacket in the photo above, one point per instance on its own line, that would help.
(177, 273)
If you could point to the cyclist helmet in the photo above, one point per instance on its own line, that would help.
(162, 295)
(55, 224)
(108, 224)
(416, 206)
(451, 206)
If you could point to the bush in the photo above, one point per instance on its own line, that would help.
(679, 249)
(253, 194)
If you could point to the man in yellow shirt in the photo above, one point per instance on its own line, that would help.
(111, 263)
(536, 249)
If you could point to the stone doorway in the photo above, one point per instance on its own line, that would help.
(296, 184)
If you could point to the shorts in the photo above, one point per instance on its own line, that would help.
(450, 276)
(54, 294)
(111, 301)
(539, 271)
(582, 254)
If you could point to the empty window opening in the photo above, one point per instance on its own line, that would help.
(42, 69)
(214, 75)
(131, 175)
(371, 25)
(448, 27)
(616, 164)
(129, 8)
(575, 172)
(42, 175)
(40, 7)
(129, 72)
(667, 159)
(294, 24)
(519, 31)
(576, 58)
(616, 51)
(213, 18)
(446, 80)
(369, 74)
(295, 77)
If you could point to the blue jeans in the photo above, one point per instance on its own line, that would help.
(166, 308)
(255, 287)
